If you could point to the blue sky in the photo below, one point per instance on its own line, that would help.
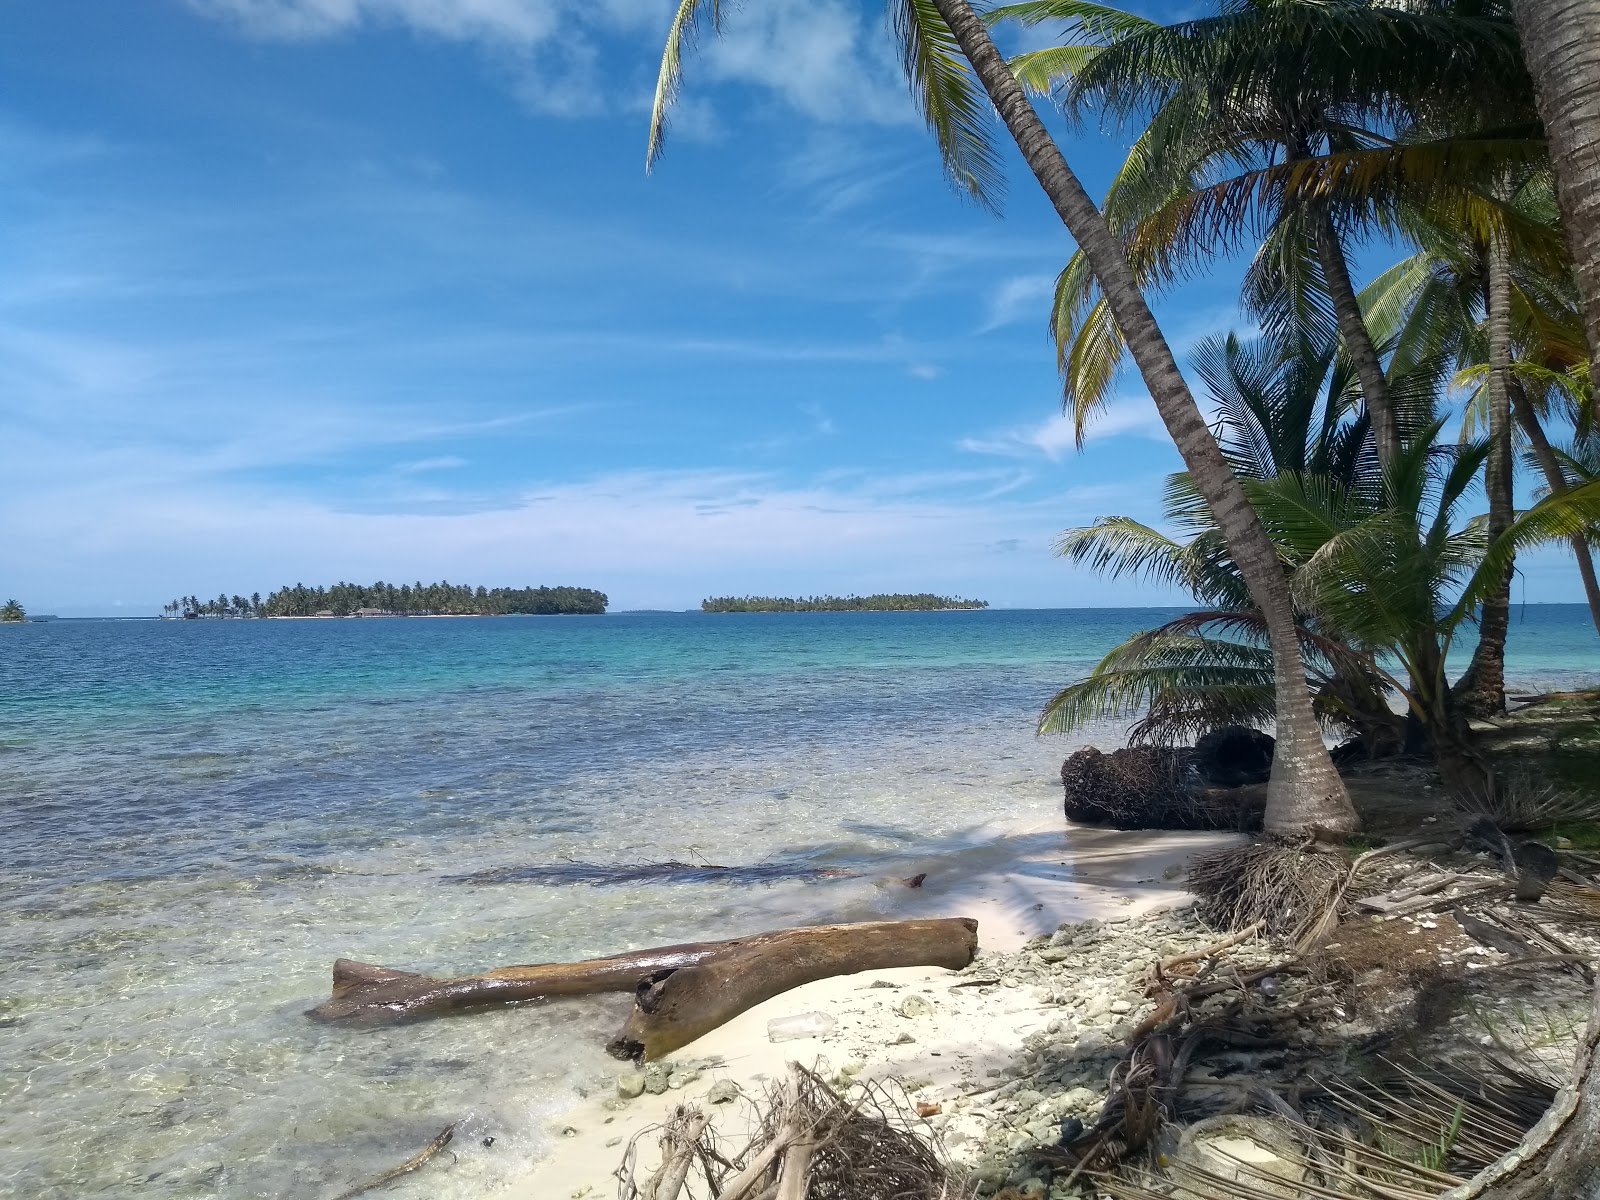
(298, 290)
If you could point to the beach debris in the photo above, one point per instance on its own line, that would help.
(723, 1091)
(676, 1005)
(365, 994)
(415, 1163)
(810, 1142)
(800, 1025)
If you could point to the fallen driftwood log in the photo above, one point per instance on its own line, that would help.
(364, 994)
(675, 1005)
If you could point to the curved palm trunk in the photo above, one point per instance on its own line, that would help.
(1481, 692)
(1305, 792)
(1358, 341)
(1560, 1157)
(1550, 465)
(1561, 42)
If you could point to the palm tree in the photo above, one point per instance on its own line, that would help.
(1255, 113)
(1454, 297)
(1561, 39)
(1520, 344)
(1383, 573)
(12, 612)
(1306, 793)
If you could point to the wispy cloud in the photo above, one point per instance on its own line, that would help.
(1056, 437)
(445, 462)
(1022, 297)
(515, 22)
(646, 537)
(822, 58)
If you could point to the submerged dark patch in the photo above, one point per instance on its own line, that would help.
(601, 874)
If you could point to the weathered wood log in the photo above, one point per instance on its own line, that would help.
(675, 1005)
(364, 994)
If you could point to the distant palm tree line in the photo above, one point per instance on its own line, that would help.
(919, 602)
(419, 599)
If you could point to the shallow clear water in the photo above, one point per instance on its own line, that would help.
(200, 816)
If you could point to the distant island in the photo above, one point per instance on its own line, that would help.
(389, 600)
(12, 613)
(920, 602)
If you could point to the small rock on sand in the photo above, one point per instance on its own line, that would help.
(630, 1085)
(915, 1005)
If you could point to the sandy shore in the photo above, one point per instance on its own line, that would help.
(945, 1042)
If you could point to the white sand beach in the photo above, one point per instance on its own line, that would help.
(944, 1043)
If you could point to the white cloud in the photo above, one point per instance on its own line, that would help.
(1022, 297)
(445, 462)
(820, 57)
(642, 536)
(514, 22)
(1055, 437)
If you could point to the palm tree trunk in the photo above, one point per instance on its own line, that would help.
(1481, 692)
(1358, 341)
(1305, 792)
(1560, 1157)
(1561, 42)
(1545, 453)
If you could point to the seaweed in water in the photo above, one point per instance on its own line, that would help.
(601, 874)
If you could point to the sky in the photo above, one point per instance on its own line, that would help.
(308, 290)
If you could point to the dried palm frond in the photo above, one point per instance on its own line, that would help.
(1524, 803)
(1265, 881)
(809, 1142)
(1409, 1133)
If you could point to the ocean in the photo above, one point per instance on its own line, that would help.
(199, 817)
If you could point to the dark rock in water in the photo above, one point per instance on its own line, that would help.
(1234, 756)
(1152, 787)
(1536, 865)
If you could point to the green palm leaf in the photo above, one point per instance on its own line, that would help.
(955, 107)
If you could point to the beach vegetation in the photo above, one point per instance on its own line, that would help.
(880, 602)
(12, 612)
(1386, 567)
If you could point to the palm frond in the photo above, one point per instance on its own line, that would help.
(1553, 519)
(1042, 71)
(955, 107)
(686, 21)
(1099, 21)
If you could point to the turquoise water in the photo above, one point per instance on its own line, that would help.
(201, 816)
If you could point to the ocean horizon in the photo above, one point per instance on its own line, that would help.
(202, 815)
